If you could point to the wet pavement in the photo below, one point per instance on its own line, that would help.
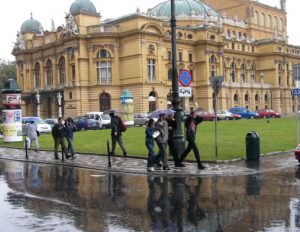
(268, 162)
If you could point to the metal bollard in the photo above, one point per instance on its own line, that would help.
(108, 154)
(26, 141)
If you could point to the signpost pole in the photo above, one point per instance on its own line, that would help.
(296, 93)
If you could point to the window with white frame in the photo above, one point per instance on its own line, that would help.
(49, 72)
(151, 70)
(61, 70)
(232, 72)
(103, 66)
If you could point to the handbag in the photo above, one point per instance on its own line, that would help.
(155, 134)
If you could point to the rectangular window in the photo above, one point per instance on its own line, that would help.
(180, 56)
(73, 72)
(104, 72)
(169, 74)
(232, 45)
(151, 70)
(169, 55)
(190, 57)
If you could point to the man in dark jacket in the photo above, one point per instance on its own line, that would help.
(191, 127)
(59, 134)
(116, 134)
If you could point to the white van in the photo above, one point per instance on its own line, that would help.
(103, 119)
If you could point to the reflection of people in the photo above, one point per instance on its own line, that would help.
(58, 134)
(172, 125)
(116, 134)
(149, 141)
(178, 190)
(191, 123)
(70, 128)
(32, 134)
(162, 126)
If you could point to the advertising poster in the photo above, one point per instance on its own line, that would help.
(12, 125)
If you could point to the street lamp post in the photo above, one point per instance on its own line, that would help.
(38, 104)
(59, 97)
(178, 141)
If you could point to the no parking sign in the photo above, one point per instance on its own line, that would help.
(185, 78)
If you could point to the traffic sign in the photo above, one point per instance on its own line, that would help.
(185, 78)
(295, 92)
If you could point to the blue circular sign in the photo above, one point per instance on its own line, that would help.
(185, 78)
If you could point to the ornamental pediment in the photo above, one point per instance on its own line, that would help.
(153, 28)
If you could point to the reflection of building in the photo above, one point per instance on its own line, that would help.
(91, 61)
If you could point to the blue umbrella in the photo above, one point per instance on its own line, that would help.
(156, 113)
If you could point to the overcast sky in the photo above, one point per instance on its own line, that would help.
(15, 12)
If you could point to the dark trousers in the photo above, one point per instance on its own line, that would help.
(151, 154)
(191, 145)
(57, 142)
(173, 152)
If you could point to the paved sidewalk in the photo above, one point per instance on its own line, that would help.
(138, 165)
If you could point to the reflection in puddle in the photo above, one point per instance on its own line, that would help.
(37, 197)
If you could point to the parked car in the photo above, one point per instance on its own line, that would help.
(140, 119)
(268, 113)
(41, 125)
(103, 119)
(84, 123)
(244, 112)
(51, 121)
(225, 115)
(205, 115)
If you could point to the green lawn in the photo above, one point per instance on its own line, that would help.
(275, 135)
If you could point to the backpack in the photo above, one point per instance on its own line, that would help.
(122, 126)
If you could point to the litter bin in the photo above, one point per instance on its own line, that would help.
(252, 146)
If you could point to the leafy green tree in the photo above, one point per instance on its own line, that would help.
(7, 70)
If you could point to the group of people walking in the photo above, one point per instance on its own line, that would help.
(162, 131)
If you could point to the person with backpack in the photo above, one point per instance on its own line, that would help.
(117, 127)
(70, 129)
(191, 123)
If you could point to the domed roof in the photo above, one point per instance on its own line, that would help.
(184, 7)
(85, 6)
(31, 25)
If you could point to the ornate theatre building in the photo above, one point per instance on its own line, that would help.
(86, 64)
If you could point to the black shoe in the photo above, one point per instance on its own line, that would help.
(166, 168)
(125, 154)
(73, 156)
(179, 165)
(68, 156)
(158, 165)
(201, 167)
(56, 157)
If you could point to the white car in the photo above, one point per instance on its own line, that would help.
(103, 119)
(41, 125)
(225, 115)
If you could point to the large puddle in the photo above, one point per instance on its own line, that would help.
(38, 197)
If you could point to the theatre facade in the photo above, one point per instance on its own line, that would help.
(87, 63)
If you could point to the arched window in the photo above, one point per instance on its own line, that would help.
(280, 24)
(103, 66)
(36, 75)
(256, 17)
(275, 24)
(212, 66)
(256, 97)
(61, 70)
(104, 102)
(266, 98)
(262, 19)
(243, 72)
(49, 72)
(152, 101)
(232, 72)
(235, 98)
(246, 97)
(268, 21)
(252, 73)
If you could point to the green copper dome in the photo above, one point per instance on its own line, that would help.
(31, 25)
(84, 6)
(184, 7)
